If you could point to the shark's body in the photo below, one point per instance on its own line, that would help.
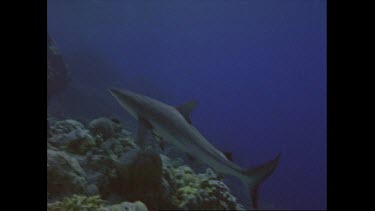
(173, 124)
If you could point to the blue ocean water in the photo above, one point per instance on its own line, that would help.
(257, 68)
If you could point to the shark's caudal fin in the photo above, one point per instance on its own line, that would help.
(257, 175)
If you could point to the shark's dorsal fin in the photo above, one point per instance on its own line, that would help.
(186, 108)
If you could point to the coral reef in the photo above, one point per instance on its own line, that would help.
(101, 159)
(93, 203)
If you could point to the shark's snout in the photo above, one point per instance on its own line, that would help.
(114, 91)
(126, 100)
(122, 95)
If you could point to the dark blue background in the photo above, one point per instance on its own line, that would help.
(257, 68)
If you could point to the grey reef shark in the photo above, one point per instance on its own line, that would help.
(173, 124)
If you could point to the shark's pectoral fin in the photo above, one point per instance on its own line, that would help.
(186, 108)
(144, 128)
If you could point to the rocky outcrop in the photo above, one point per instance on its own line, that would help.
(57, 74)
(65, 175)
(139, 177)
(104, 127)
(71, 136)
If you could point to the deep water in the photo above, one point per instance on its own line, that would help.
(257, 68)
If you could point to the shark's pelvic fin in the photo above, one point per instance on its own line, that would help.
(228, 155)
(144, 127)
(186, 108)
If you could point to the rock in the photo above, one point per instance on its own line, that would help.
(126, 132)
(115, 147)
(57, 74)
(117, 127)
(100, 169)
(140, 178)
(112, 147)
(127, 142)
(210, 174)
(103, 126)
(126, 206)
(64, 174)
(77, 141)
(64, 126)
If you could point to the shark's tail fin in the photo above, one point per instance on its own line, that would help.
(257, 175)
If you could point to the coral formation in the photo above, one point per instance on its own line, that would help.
(104, 160)
(197, 191)
(77, 203)
(102, 126)
(93, 203)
